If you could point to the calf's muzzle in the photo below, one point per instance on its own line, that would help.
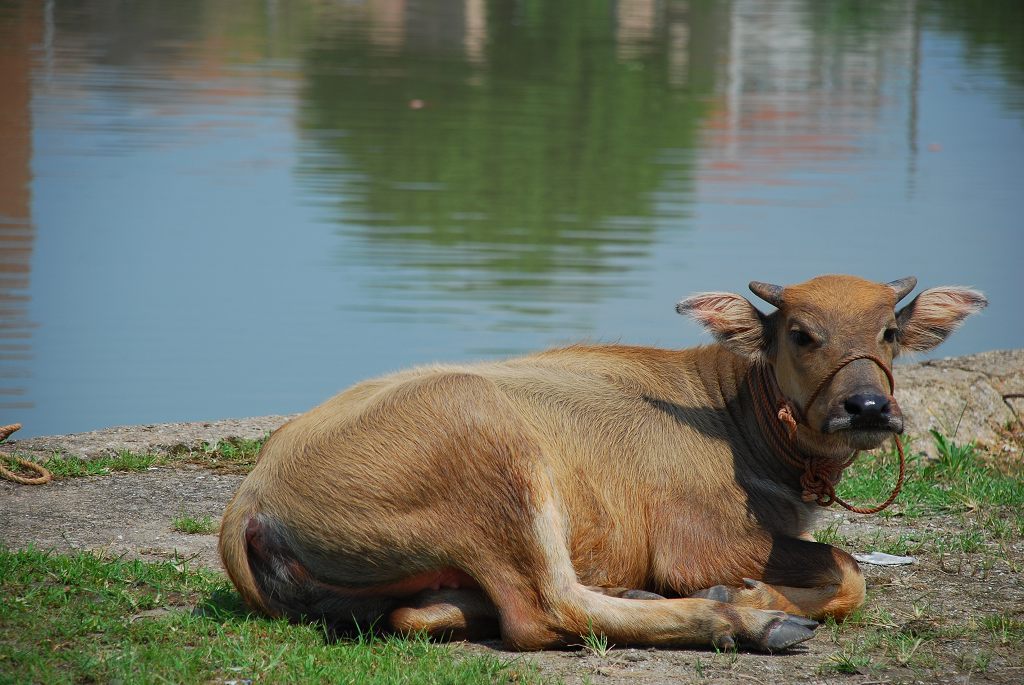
(864, 409)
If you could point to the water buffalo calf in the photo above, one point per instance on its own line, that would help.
(628, 491)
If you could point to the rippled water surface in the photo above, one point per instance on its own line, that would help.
(216, 208)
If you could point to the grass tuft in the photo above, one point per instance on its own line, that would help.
(830, 535)
(230, 455)
(1005, 628)
(194, 525)
(596, 643)
(848, 662)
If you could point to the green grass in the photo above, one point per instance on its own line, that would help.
(1005, 628)
(975, 661)
(957, 481)
(850, 662)
(70, 467)
(901, 544)
(983, 506)
(80, 618)
(596, 643)
(873, 639)
(830, 535)
(191, 524)
(232, 455)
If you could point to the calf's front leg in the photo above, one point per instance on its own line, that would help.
(800, 577)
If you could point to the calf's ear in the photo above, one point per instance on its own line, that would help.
(934, 314)
(733, 321)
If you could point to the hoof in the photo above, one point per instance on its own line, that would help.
(640, 594)
(724, 643)
(786, 632)
(718, 593)
(803, 621)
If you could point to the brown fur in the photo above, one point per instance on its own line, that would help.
(454, 499)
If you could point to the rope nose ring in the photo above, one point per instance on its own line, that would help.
(820, 475)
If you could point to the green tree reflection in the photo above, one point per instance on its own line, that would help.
(544, 152)
(993, 29)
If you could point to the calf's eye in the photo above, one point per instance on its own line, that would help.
(890, 335)
(800, 338)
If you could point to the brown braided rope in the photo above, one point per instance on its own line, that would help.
(44, 475)
(779, 419)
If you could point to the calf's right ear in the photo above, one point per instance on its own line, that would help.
(734, 322)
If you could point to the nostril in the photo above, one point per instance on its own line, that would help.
(866, 405)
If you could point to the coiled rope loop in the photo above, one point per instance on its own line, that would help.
(44, 475)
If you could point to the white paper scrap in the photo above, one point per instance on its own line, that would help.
(883, 559)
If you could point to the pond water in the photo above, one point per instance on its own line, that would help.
(213, 209)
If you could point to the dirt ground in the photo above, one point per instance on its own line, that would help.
(936, 603)
(124, 513)
(130, 514)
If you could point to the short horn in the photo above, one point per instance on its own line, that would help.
(903, 286)
(772, 294)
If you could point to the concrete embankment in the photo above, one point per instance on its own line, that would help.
(975, 396)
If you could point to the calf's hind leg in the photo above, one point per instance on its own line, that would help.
(448, 614)
(801, 577)
(467, 614)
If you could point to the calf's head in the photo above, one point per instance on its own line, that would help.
(818, 326)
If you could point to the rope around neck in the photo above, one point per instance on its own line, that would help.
(779, 419)
(44, 475)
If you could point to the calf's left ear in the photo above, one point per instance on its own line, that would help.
(733, 321)
(934, 314)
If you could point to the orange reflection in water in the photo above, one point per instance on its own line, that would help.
(17, 232)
